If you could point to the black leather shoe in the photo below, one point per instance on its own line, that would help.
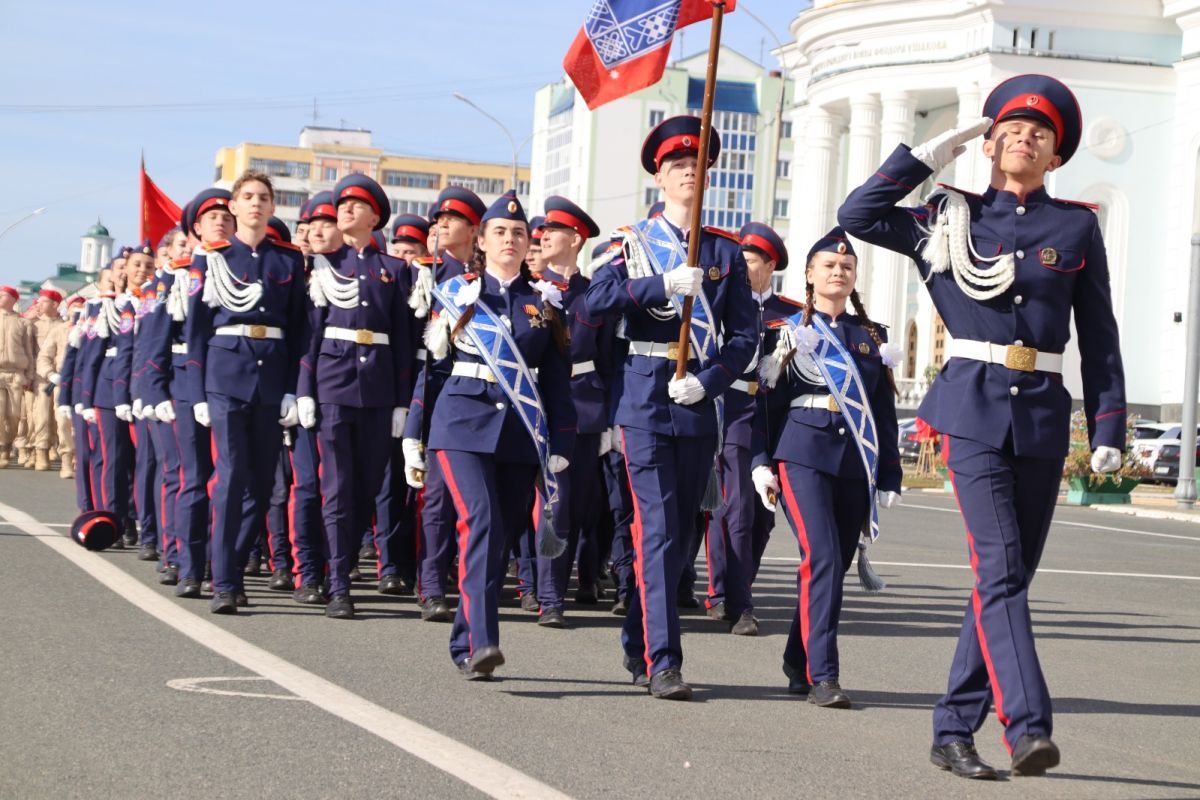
(391, 584)
(529, 602)
(1033, 755)
(746, 625)
(169, 576)
(206, 585)
(340, 607)
(797, 679)
(223, 603)
(552, 618)
(253, 567)
(717, 612)
(367, 553)
(188, 588)
(281, 580)
(828, 694)
(587, 597)
(621, 607)
(355, 575)
(687, 600)
(147, 552)
(667, 684)
(310, 594)
(436, 609)
(241, 600)
(637, 668)
(464, 667)
(962, 759)
(130, 537)
(486, 659)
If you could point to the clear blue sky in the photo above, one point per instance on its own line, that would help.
(88, 86)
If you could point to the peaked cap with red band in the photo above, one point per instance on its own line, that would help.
(410, 228)
(835, 241)
(320, 206)
(460, 201)
(206, 200)
(763, 238)
(535, 228)
(1044, 99)
(360, 187)
(673, 136)
(562, 213)
(95, 530)
(277, 229)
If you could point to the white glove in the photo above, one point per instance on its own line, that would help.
(414, 463)
(289, 416)
(165, 411)
(399, 417)
(200, 412)
(79, 409)
(1106, 459)
(944, 148)
(148, 412)
(306, 411)
(606, 439)
(888, 499)
(64, 412)
(683, 281)
(557, 464)
(124, 412)
(137, 408)
(55, 378)
(89, 416)
(618, 439)
(687, 391)
(766, 484)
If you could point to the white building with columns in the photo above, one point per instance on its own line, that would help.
(871, 74)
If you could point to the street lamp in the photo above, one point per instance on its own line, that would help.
(516, 148)
(30, 215)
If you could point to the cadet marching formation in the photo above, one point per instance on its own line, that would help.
(465, 397)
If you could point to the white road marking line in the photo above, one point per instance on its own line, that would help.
(796, 560)
(1074, 524)
(198, 686)
(47, 524)
(478, 770)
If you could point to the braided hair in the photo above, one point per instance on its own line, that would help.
(859, 309)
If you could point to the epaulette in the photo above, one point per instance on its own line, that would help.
(776, 323)
(424, 261)
(180, 263)
(1080, 203)
(960, 191)
(288, 245)
(722, 232)
(790, 301)
(218, 245)
(470, 276)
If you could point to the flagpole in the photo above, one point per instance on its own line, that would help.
(710, 88)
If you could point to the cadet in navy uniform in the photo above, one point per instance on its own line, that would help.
(670, 426)
(534, 257)
(245, 334)
(488, 457)
(70, 386)
(741, 523)
(999, 400)
(565, 229)
(360, 377)
(456, 216)
(821, 470)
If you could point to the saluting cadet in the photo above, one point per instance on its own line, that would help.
(456, 216)
(670, 426)
(245, 334)
(356, 388)
(833, 408)
(496, 421)
(565, 229)
(17, 366)
(1005, 269)
(740, 522)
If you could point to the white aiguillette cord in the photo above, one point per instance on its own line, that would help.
(327, 285)
(950, 247)
(222, 287)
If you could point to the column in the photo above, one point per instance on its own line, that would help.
(862, 159)
(892, 271)
(812, 195)
(972, 170)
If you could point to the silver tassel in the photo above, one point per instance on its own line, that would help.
(868, 579)
(548, 543)
(712, 492)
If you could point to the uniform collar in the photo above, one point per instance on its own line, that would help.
(764, 297)
(994, 196)
(492, 280)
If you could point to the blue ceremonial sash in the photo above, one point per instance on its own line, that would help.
(496, 347)
(845, 384)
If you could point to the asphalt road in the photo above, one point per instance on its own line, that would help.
(106, 690)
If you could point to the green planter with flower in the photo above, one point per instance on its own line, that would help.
(1084, 487)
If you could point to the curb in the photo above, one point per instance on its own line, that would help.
(1149, 513)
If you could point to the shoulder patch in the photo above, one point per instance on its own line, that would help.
(218, 245)
(790, 301)
(423, 261)
(722, 232)
(288, 246)
(179, 263)
(776, 323)
(1080, 203)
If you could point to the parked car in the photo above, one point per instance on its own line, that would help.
(1150, 438)
(1166, 465)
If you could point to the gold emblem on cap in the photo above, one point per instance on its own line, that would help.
(1032, 100)
(864, 348)
(714, 273)
(841, 248)
(1049, 256)
(445, 204)
(512, 206)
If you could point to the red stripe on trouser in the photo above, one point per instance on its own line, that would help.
(162, 515)
(133, 436)
(536, 515)
(464, 538)
(419, 529)
(805, 569)
(724, 532)
(296, 578)
(91, 474)
(104, 465)
(178, 492)
(977, 602)
(636, 531)
(212, 484)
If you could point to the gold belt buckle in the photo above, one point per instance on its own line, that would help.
(364, 337)
(831, 403)
(752, 388)
(1020, 358)
(673, 351)
(258, 331)
(489, 376)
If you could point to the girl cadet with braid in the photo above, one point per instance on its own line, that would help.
(832, 400)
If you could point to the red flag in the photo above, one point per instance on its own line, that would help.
(159, 213)
(623, 44)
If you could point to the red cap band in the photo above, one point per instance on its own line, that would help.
(570, 220)
(458, 207)
(273, 234)
(409, 232)
(674, 144)
(323, 210)
(10, 290)
(359, 193)
(210, 203)
(1038, 103)
(754, 240)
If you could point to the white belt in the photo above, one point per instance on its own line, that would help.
(422, 354)
(250, 331)
(823, 401)
(582, 368)
(749, 387)
(465, 369)
(358, 336)
(669, 350)
(180, 348)
(110, 352)
(1013, 356)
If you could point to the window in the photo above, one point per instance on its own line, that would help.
(728, 203)
(939, 341)
(1050, 40)
(656, 117)
(781, 208)
(418, 207)
(558, 154)
(478, 185)
(217, 173)
(329, 174)
(1016, 37)
(783, 168)
(523, 188)
(279, 168)
(1033, 39)
(283, 198)
(787, 129)
(411, 180)
(650, 196)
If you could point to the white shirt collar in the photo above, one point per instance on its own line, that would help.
(764, 297)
